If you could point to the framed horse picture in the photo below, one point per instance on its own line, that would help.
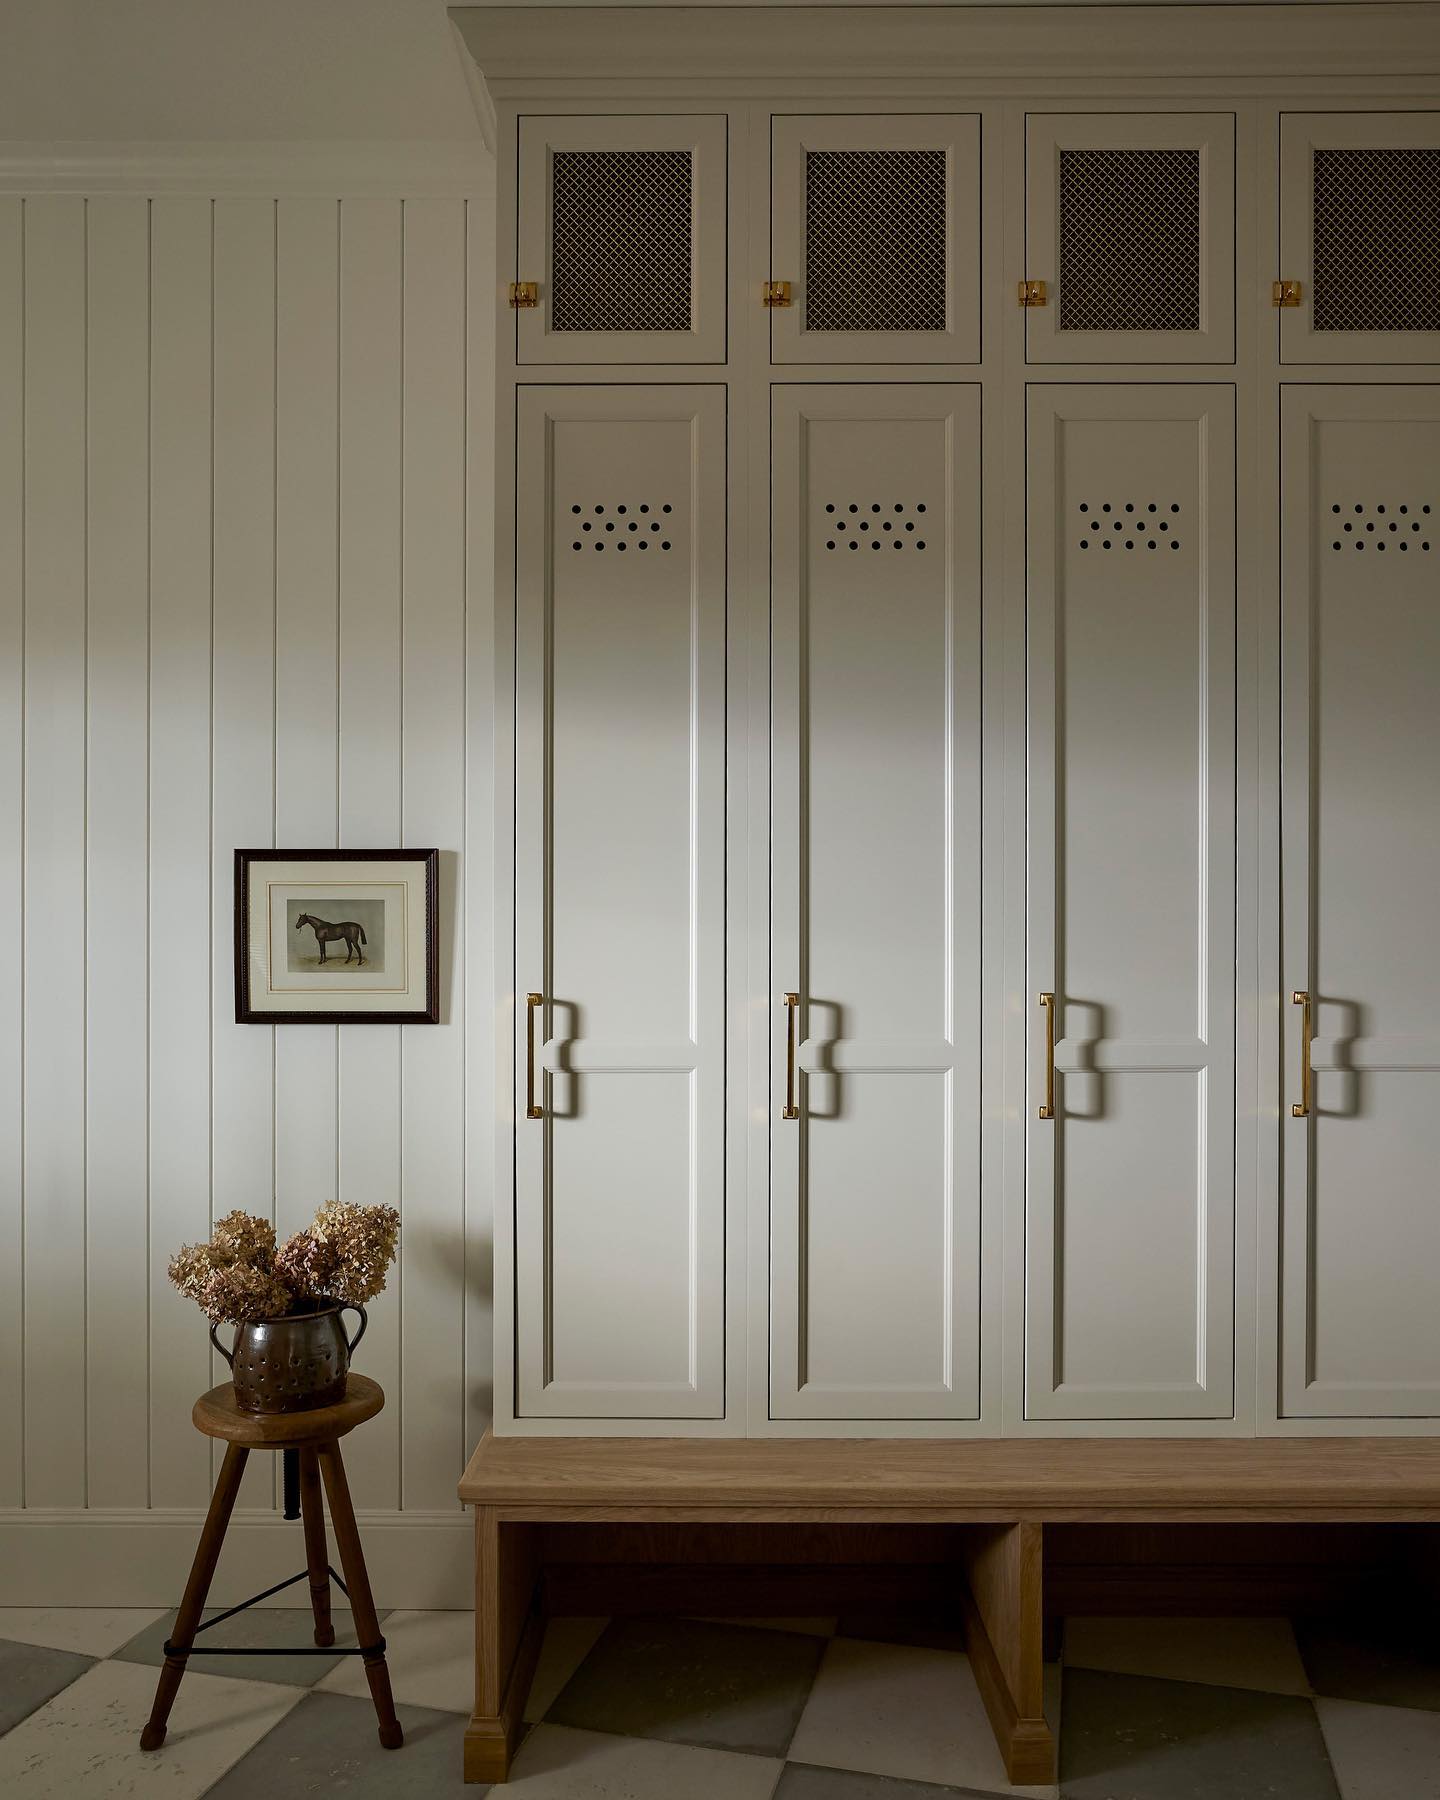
(337, 937)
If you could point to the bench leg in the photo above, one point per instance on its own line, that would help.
(362, 1607)
(1004, 1634)
(509, 1627)
(317, 1561)
(202, 1571)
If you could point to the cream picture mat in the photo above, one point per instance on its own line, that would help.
(398, 986)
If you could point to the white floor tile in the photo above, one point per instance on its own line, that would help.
(88, 1630)
(891, 1709)
(85, 1743)
(556, 1763)
(431, 1657)
(567, 1643)
(1382, 1752)
(1247, 1653)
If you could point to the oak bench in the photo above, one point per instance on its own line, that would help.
(737, 1526)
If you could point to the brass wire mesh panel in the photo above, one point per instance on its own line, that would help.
(875, 240)
(620, 226)
(1129, 240)
(1377, 240)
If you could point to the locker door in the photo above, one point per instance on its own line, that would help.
(875, 1208)
(620, 859)
(875, 223)
(622, 228)
(1130, 223)
(1130, 1209)
(1361, 571)
(1360, 232)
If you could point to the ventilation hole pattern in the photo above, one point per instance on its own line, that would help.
(1384, 526)
(875, 240)
(620, 223)
(1129, 240)
(621, 525)
(874, 525)
(1129, 524)
(1377, 240)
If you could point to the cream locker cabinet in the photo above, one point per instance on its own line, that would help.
(875, 939)
(875, 230)
(1130, 1234)
(620, 896)
(1361, 1119)
(1130, 225)
(620, 247)
(1360, 233)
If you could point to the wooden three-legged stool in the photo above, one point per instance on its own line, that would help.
(310, 1442)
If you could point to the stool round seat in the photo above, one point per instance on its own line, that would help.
(218, 1416)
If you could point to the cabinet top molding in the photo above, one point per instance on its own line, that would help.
(527, 49)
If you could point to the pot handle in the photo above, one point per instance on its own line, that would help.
(354, 1306)
(228, 1355)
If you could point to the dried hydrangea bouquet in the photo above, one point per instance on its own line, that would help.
(290, 1352)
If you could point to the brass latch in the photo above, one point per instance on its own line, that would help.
(1032, 293)
(524, 293)
(1285, 293)
(775, 293)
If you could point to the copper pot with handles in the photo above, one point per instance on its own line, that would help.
(294, 1364)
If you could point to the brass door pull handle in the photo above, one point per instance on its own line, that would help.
(532, 1003)
(792, 1013)
(1305, 1104)
(1047, 1110)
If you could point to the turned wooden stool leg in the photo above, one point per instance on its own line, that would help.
(367, 1626)
(318, 1563)
(202, 1570)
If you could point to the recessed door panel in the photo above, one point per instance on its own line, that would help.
(622, 228)
(1361, 571)
(1130, 223)
(875, 861)
(619, 905)
(1130, 1211)
(1360, 232)
(875, 223)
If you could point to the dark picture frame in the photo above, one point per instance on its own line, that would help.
(251, 931)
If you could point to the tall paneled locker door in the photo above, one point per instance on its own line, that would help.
(1360, 568)
(875, 868)
(1130, 1223)
(620, 893)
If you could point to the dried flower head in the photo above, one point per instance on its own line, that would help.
(306, 1263)
(228, 1290)
(361, 1240)
(241, 1237)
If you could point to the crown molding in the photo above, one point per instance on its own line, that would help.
(785, 49)
(402, 169)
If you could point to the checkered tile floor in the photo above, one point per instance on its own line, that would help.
(711, 1709)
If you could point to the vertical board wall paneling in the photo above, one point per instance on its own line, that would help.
(54, 835)
(433, 794)
(371, 248)
(243, 723)
(181, 945)
(117, 876)
(12, 692)
(480, 1095)
(306, 624)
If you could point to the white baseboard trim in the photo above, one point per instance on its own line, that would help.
(63, 1557)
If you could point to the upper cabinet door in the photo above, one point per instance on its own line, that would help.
(1130, 223)
(875, 224)
(1360, 232)
(622, 228)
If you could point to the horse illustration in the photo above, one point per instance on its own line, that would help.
(325, 932)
